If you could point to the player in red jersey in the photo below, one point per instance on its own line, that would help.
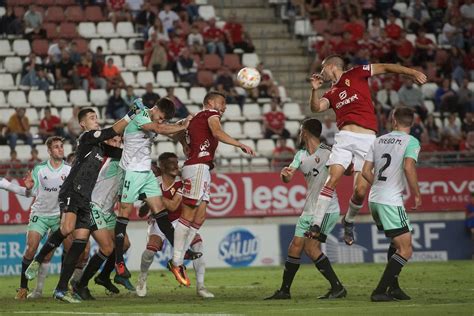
(171, 186)
(202, 137)
(350, 98)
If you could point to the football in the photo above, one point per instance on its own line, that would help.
(248, 78)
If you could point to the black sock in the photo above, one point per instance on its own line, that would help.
(165, 225)
(63, 256)
(324, 266)
(24, 265)
(392, 270)
(108, 267)
(77, 247)
(120, 231)
(91, 268)
(391, 251)
(292, 265)
(52, 243)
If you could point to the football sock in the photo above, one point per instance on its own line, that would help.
(165, 225)
(91, 268)
(120, 231)
(24, 265)
(324, 199)
(77, 274)
(193, 229)
(77, 247)
(352, 211)
(54, 240)
(109, 266)
(391, 251)
(147, 259)
(392, 270)
(43, 272)
(324, 266)
(180, 233)
(292, 265)
(199, 265)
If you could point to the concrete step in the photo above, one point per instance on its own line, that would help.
(238, 3)
(245, 13)
(265, 30)
(285, 60)
(277, 43)
(288, 77)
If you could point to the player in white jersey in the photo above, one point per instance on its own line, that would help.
(138, 177)
(46, 180)
(311, 161)
(391, 159)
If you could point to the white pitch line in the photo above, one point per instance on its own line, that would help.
(115, 314)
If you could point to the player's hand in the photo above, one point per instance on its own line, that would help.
(143, 210)
(288, 171)
(246, 149)
(316, 81)
(137, 105)
(313, 233)
(28, 179)
(419, 77)
(417, 202)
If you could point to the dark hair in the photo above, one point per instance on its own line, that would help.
(313, 126)
(166, 156)
(211, 95)
(166, 105)
(52, 139)
(83, 112)
(336, 60)
(404, 116)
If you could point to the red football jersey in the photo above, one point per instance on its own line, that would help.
(202, 144)
(169, 193)
(351, 100)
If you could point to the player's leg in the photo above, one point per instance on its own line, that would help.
(200, 268)
(394, 289)
(33, 238)
(199, 218)
(154, 244)
(103, 279)
(118, 279)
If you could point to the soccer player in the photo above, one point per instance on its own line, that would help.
(138, 176)
(202, 136)
(44, 184)
(75, 195)
(311, 161)
(171, 186)
(349, 96)
(391, 158)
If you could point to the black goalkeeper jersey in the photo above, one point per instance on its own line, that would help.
(89, 159)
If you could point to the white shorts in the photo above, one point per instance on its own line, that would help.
(350, 147)
(154, 229)
(196, 184)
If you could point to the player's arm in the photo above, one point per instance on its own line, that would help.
(287, 174)
(379, 69)
(217, 131)
(181, 138)
(173, 204)
(14, 188)
(368, 171)
(316, 102)
(112, 151)
(409, 167)
(164, 128)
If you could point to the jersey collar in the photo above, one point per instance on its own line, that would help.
(51, 167)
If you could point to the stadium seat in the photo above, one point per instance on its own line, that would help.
(265, 147)
(429, 90)
(411, 38)
(40, 47)
(79, 98)
(401, 7)
(212, 62)
(293, 111)
(320, 26)
(74, 14)
(207, 12)
(205, 78)
(234, 129)
(82, 45)
(232, 61)
(19, 11)
(259, 163)
(21, 47)
(193, 109)
(32, 115)
(6, 113)
(432, 37)
(13, 64)
(96, 42)
(252, 111)
(23, 152)
(68, 30)
(134, 63)
(182, 95)
(54, 14)
(139, 92)
(99, 97)
(429, 106)
(17, 99)
(58, 98)
(37, 98)
(3, 102)
(304, 28)
(51, 29)
(197, 94)
(283, 95)
(2, 11)
(129, 78)
(94, 14)
(118, 46)
(106, 29)
(250, 60)
(87, 30)
(117, 61)
(233, 113)
(226, 151)
(165, 78)
(165, 147)
(66, 114)
(253, 130)
(239, 162)
(144, 77)
(293, 127)
(247, 142)
(125, 29)
(5, 48)
(42, 151)
(65, 3)
(6, 82)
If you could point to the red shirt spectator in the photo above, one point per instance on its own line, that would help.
(282, 155)
(356, 28)
(347, 45)
(116, 5)
(50, 123)
(405, 49)
(175, 46)
(212, 33)
(235, 31)
(393, 30)
(324, 47)
(275, 119)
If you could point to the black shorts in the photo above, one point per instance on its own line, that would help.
(72, 202)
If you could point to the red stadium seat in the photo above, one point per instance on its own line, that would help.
(82, 45)
(212, 62)
(51, 30)
(320, 26)
(65, 3)
(40, 47)
(232, 61)
(68, 30)
(54, 14)
(19, 11)
(94, 14)
(75, 14)
(45, 3)
(337, 26)
(205, 78)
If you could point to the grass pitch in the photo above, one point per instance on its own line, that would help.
(445, 288)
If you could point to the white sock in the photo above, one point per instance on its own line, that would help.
(199, 265)
(180, 234)
(147, 260)
(43, 272)
(76, 276)
(322, 205)
(352, 212)
(189, 238)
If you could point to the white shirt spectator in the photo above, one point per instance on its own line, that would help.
(135, 5)
(383, 97)
(54, 52)
(168, 18)
(467, 11)
(195, 39)
(163, 36)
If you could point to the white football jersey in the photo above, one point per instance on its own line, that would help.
(315, 171)
(388, 153)
(105, 193)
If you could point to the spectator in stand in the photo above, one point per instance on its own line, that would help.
(181, 110)
(455, 65)
(174, 49)
(116, 107)
(412, 96)
(387, 97)
(274, 121)
(192, 9)
(425, 49)
(155, 57)
(182, 27)
(150, 97)
(196, 42)
(282, 155)
(97, 62)
(322, 49)
(134, 6)
(355, 27)
(416, 16)
(85, 75)
(214, 38)
(392, 29)
(73, 127)
(75, 55)
(267, 87)
(329, 130)
(38, 77)
(3, 131)
(446, 99)
(50, 125)
(18, 127)
(405, 50)
(118, 11)
(452, 33)
(468, 63)
(467, 10)
(112, 75)
(375, 28)
(34, 159)
(466, 97)
(187, 67)
(66, 74)
(30, 62)
(9, 23)
(161, 32)
(225, 83)
(417, 128)
(383, 49)
(55, 51)
(347, 47)
(130, 96)
(453, 132)
(145, 18)
(467, 129)
(433, 130)
(167, 17)
(236, 36)
(33, 20)
(15, 169)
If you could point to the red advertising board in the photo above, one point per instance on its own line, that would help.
(263, 194)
